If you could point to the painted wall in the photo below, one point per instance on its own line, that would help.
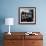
(9, 8)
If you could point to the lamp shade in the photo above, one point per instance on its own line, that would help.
(9, 21)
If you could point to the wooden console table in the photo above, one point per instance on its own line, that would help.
(20, 39)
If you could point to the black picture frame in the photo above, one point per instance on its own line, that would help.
(27, 15)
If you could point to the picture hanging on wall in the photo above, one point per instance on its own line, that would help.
(27, 15)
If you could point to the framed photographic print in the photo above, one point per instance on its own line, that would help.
(27, 15)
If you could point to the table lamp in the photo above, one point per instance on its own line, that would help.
(9, 21)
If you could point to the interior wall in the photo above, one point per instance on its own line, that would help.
(9, 8)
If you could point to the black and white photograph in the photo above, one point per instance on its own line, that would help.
(27, 15)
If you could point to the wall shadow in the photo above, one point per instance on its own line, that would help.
(2, 21)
